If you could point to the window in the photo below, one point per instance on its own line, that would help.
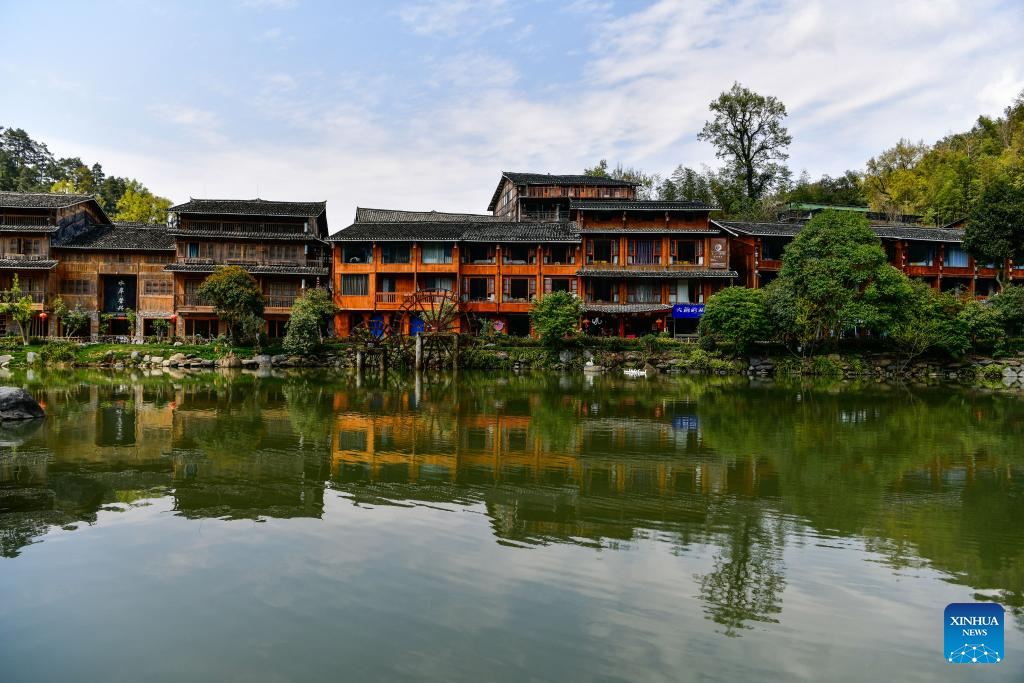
(431, 283)
(519, 289)
(355, 285)
(478, 254)
(352, 440)
(644, 252)
(559, 284)
(394, 253)
(559, 254)
(437, 253)
(643, 293)
(157, 258)
(192, 250)
(955, 257)
(121, 257)
(74, 256)
(357, 252)
(78, 286)
(157, 287)
(283, 252)
(387, 284)
(685, 292)
(603, 291)
(517, 254)
(920, 254)
(603, 251)
(772, 248)
(478, 289)
(688, 252)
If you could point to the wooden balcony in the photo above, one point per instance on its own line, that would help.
(27, 221)
(38, 297)
(242, 227)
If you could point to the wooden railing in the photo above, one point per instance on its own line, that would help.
(241, 227)
(190, 299)
(27, 221)
(658, 267)
(24, 257)
(37, 297)
(274, 301)
(298, 263)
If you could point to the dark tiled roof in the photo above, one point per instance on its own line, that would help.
(626, 308)
(27, 264)
(42, 200)
(892, 232)
(626, 271)
(185, 267)
(451, 231)
(548, 179)
(42, 229)
(122, 236)
(251, 207)
(637, 205)
(675, 232)
(760, 229)
(522, 232)
(364, 215)
(918, 234)
(245, 235)
(565, 179)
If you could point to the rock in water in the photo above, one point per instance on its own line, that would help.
(18, 404)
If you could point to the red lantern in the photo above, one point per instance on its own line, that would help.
(173, 319)
(660, 323)
(43, 316)
(586, 323)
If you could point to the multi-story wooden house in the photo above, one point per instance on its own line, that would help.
(280, 243)
(935, 255)
(493, 267)
(110, 270)
(641, 258)
(31, 223)
(546, 197)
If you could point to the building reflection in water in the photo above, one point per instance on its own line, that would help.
(735, 468)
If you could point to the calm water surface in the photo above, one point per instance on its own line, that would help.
(504, 529)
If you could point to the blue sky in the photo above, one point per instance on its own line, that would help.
(421, 103)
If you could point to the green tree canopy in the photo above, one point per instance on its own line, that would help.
(556, 317)
(835, 278)
(311, 313)
(737, 316)
(140, 205)
(236, 299)
(995, 227)
(746, 130)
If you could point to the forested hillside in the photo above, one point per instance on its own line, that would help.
(27, 165)
(939, 181)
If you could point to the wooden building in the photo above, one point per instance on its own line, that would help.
(280, 243)
(492, 265)
(109, 269)
(935, 255)
(640, 258)
(31, 224)
(547, 197)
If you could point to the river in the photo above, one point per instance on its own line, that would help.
(504, 528)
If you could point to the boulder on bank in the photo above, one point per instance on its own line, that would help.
(18, 404)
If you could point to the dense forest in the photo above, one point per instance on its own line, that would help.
(939, 182)
(27, 165)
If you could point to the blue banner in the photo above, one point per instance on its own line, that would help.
(687, 310)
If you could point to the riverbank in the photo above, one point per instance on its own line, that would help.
(653, 355)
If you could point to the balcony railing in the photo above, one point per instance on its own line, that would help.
(243, 227)
(295, 263)
(659, 267)
(24, 257)
(27, 221)
(190, 299)
(36, 296)
(275, 301)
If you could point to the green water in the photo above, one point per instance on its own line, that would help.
(236, 528)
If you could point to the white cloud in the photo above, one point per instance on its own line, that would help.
(855, 78)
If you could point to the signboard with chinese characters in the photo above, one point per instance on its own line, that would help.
(719, 253)
(687, 310)
(119, 293)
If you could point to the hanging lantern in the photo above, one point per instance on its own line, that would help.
(173, 319)
(586, 323)
(43, 316)
(660, 323)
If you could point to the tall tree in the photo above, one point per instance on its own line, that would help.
(139, 204)
(747, 131)
(995, 226)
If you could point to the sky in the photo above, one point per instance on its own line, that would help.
(421, 104)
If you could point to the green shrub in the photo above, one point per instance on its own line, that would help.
(556, 317)
(58, 352)
(738, 316)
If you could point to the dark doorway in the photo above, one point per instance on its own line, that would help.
(519, 325)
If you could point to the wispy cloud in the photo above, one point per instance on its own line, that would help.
(455, 18)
